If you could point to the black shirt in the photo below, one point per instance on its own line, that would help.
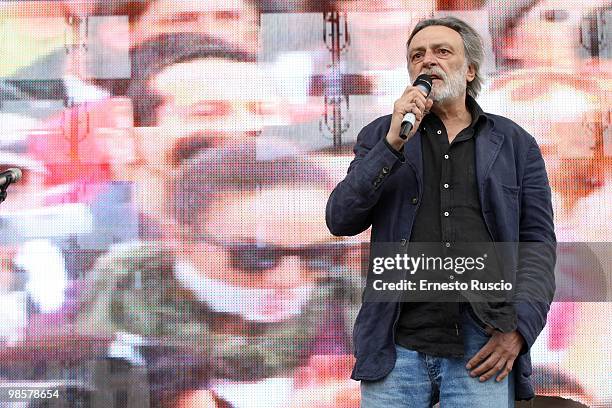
(449, 212)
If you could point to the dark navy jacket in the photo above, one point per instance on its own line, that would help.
(383, 191)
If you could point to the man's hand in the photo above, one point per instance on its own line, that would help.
(497, 355)
(412, 100)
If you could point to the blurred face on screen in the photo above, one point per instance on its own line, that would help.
(204, 103)
(235, 21)
(548, 35)
(212, 94)
(261, 252)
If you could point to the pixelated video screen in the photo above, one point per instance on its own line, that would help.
(166, 245)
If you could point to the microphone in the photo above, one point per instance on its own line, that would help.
(9, 176)
(422, 82)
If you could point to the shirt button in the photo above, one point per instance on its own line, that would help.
(415, 200)
(439, 132)
(445, 185)
(446, 213)
(446, 156)
(447, 245)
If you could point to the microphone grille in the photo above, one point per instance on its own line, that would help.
(16, 174)
(425, 81)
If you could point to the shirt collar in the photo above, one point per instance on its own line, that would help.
(474, 109)
(472, 106)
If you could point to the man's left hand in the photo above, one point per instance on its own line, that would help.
(497, 355)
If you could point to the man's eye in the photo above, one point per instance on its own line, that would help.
(417, 56)
(182, 17)
(443, 51)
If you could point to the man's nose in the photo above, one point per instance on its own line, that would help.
(429, 59)
(287, 274)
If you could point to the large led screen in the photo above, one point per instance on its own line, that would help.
(167, 244)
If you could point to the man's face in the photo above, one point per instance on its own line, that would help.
(548, 35)
(439, 52)
(214, 94)
(205, 102)
(272, 245)
(234, 21)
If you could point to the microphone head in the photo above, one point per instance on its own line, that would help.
(424, 81)
(15, 174)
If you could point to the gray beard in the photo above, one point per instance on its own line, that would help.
(452, 86)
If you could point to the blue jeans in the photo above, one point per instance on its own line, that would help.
(419, 380)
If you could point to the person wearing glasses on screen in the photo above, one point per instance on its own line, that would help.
(186, 92)
(247, 271)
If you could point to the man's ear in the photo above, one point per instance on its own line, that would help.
(471, 73)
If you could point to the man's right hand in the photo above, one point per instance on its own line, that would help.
(412, 100)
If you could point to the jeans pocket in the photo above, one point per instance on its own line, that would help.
(478, 324)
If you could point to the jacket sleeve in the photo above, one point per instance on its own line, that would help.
(535, 279)
(350, 204)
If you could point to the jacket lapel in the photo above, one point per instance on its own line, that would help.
(488, 145)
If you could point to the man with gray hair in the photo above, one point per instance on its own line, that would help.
(461, 176)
